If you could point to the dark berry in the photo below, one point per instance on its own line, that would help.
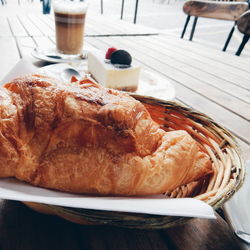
(121, 57)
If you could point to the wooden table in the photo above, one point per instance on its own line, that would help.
(210, 81)
(24, 229)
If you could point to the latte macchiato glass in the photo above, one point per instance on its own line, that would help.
(69, 22)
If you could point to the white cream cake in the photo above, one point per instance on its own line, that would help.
(108, 75)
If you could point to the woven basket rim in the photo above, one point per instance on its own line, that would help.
(216, 203)
(188, 109)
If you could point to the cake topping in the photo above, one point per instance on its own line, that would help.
(121, 57)
(109, 52)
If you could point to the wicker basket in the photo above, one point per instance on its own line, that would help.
(222, 148)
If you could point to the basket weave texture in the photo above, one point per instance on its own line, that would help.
(215, 190)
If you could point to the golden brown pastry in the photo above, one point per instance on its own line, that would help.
(84, 138)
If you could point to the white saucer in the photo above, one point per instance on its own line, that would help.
(51, 55)
(150, 84)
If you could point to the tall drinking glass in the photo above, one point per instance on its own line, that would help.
(69, 22)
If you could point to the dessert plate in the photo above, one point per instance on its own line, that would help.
(150, 84)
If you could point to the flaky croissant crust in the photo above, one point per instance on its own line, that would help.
(81, 137)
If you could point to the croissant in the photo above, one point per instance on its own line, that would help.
(81, 137)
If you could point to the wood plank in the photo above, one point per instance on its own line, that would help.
(30, 230)
(91, 29)
(4, 27)
(47, 20)
(105, 26)
(26, 45)
(238, 73)
(99, 26)
(205, 65)
(43, 42)
(7, 62)
(203, 234)
(43, 27)
(104, 237)
(16, 27)
(233, 122)
(29, 27)
(186, 75)
(54, 233)
(234, 64)
(244, 149)
(222, 116)
(217, 10)
(211, 53)
(22, 229)
(94, 26)
(53, 39)
(220, 72)
(127, 27)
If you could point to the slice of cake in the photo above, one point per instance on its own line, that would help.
(115, 70)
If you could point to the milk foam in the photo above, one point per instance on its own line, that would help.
(70, 7)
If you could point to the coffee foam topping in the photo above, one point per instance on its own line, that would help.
(70, 7)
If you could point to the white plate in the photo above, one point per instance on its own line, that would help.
(150, 84)
(51, 55)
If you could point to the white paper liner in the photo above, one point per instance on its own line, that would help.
(13, 189)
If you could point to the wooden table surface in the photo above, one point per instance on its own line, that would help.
(205, 79)
(24, 229)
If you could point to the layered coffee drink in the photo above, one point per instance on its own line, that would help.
(69, 21)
